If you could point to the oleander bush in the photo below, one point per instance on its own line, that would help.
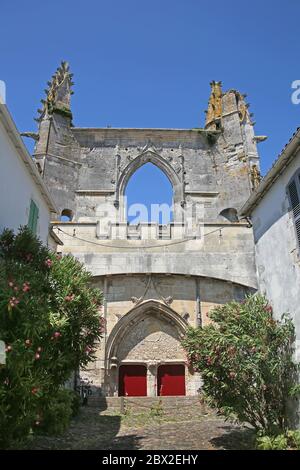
(245, 358)
(50, 320)
(57, 412)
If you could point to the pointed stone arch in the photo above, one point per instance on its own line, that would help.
(134, 316)
(149, 156)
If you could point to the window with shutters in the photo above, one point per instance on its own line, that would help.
(294, 197)
(33, 217)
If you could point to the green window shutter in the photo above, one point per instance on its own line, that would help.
(33, 217)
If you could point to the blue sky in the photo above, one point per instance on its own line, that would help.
(140, 63)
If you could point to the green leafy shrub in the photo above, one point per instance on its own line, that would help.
(279, 442)
(76, 402)
(289, 440)
(157, 410)
(245, 358)
(294, 438)
(50, 320)
(57, 412)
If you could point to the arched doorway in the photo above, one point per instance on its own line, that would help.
(147, 336)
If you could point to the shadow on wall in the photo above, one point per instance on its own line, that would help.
(216, 291)
(262, 225)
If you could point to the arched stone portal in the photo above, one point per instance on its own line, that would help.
(149, 334)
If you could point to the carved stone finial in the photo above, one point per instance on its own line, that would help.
(255, 176)
(136, 300)
(244, 114)
(58, 93)
(214, 110)
(168, 300)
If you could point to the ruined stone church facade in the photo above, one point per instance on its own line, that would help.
(156, 280)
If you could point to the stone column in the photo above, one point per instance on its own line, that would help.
(112, 378)
(198, 319)
(151, 379)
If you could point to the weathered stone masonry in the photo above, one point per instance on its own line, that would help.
(153, 286)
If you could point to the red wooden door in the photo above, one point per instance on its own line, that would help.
(132, 380)
(171, 380)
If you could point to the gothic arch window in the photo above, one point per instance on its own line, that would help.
(66, 215)
(171, 171)
(149, 196)
(293, 190)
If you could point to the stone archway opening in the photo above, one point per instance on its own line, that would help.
(148, 336)
(149, 196)
(167, 169)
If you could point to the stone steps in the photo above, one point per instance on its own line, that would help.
(181, 405)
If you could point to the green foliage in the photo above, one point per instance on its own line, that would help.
(245, 358)
(156, 410)
(49, 320)
(279, 442)
(75, 405)
(57, 412)
(294, 438)
(63, 111)
(289, 440)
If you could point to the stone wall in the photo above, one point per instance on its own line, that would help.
(156, 280)
(274, 230)
(153, 312)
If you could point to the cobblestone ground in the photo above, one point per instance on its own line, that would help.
(106, 430)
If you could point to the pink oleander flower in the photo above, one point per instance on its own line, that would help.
(26, 286)
(69, 298)
(13, 301)
(268, 309)
(48, 262)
